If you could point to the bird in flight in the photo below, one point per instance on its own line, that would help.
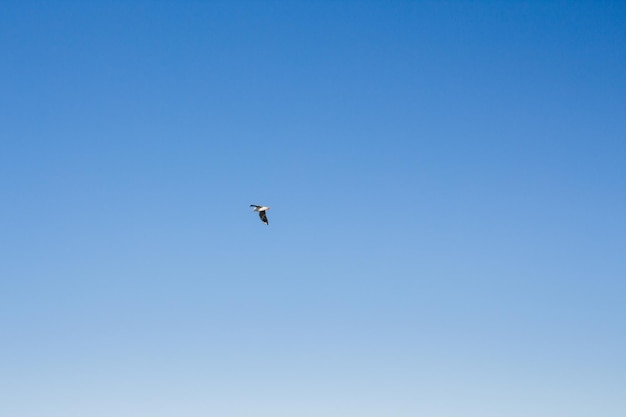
(261, 210)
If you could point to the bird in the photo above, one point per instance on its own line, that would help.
(261, 210)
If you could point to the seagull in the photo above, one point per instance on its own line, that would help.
(261, 210)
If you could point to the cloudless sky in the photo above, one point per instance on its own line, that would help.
(447, 233)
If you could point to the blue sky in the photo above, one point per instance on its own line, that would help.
(447, 231)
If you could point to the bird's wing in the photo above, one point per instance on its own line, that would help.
(263, 217)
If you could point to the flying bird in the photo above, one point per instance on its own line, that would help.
(261, 210)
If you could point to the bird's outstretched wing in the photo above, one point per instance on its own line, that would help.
(263, 217)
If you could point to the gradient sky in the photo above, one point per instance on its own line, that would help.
(447, 183)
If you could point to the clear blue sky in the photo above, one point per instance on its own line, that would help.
(447, 183)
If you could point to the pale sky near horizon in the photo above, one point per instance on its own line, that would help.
(447, 233)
